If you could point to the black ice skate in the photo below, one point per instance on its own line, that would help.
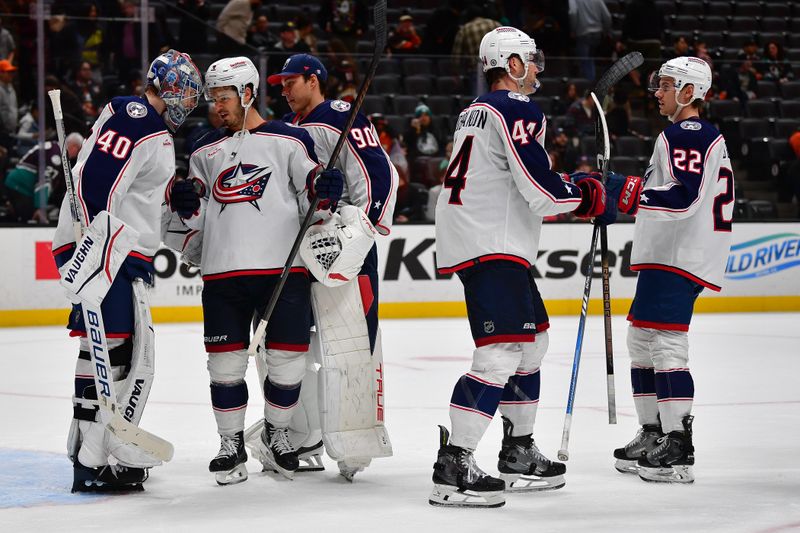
(229, 464)
(644, 441)
(672, 459)
(275, 451)
(109, 478)
(523, 467)
(458, 482)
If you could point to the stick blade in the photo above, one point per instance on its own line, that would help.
(616, 72)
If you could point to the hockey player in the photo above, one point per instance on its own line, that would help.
(124, 167)
(680, 245)
(497, 187)
(252, 177)
(370, 185)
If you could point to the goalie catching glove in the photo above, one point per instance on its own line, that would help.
(335, 250)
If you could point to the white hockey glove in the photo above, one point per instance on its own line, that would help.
(335, 250)
(98, 256)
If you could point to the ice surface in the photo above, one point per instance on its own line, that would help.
(747, 429)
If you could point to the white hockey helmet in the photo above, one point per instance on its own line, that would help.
(685, 71)
(236, 72)
(501, 43)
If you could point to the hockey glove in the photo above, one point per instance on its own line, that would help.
(183, 198)
(328, 187)
(595, 202)
(626, 190)
(576, 177)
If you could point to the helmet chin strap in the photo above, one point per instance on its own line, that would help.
(521, 80)
(246, 108)
(679, 108)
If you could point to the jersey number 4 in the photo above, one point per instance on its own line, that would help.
(112, 143)
(455, 178)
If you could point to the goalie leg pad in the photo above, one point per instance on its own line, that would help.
(351, 378)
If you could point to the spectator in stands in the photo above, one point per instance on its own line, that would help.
(346, 20)
(232, 24)
(590, 22)
(441, 29)
(422, 136)
(64, 45)
(28, 130)
(561, 104)
(7, 45)
(701, 51)
(193, 26)
(33, 197)
(259, 36)
(548, 22)
(404, 39)
(619, 116)
(288, 44)
(343, 74)
(581, 116)
(739, 82)
(680, 48)
(793, 172)
(305, 31)
(9, 110)
(391, 144)
(774, 66)
(88, 91)
(127, 39)
(642, 27)
(468, 38)
(92, 34)
(563, 153)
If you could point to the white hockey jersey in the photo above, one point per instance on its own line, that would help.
(498, 185)
(249, 212)
(686, 207)
(371, 179)
(123, 167)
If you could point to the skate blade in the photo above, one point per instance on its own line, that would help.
(99, 487)
(520, 483)
(670, 474)
(235, 475)
(261, 452)
(311, 463)
(450, 496)
(627, 467)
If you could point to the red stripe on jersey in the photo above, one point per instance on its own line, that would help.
(666, 326)
(497, 339)
(675, 270)
(253, 272)
(484, 259)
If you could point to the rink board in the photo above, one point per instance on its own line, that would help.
(763, 274)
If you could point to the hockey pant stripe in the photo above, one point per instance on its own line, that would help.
(281, 400)
(229, 401)
(520, 401)
(643, 381)
(472, 408)
(674, 384)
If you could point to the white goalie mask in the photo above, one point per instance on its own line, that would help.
(684, 71)
(236, 72)
(501, 43)
(335, 250)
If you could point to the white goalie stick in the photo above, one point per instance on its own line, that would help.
(379, 17)
(614, 74)
(110, 412)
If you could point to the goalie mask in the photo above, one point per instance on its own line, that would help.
(335, 250)
(177, 81)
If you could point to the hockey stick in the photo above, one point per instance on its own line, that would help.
(110, 415)
(379, 17)
(614, 74)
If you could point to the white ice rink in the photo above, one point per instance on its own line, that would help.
(746, 369)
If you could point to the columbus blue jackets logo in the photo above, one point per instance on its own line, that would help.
(242, 183)
(136, 110)
(691, 125)
(340, 105)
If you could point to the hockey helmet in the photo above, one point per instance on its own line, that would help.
(236, 72)
(685, 71)
(501, 43)
(177, 81)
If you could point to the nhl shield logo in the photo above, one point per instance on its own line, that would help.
(488, 327)
(136, 110)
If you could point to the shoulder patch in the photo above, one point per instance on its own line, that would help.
(136, 110)
(691, 125)
(518, 96)
(339, 105)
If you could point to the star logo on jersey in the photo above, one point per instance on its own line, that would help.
(136, 110)
(242, 183)
(643, 198)
(568, 187)
(377, 205)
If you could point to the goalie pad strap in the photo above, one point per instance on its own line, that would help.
(119, 356)
(83, 413)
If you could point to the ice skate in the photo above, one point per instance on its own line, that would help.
(275, 451)
(523, 467)
(310, 458)
(628, 456)
(672, 459)
(108, 478)
(458, 482)
(229, 464)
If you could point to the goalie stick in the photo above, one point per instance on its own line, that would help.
(379, 17)
(614, 74)
(109, 411)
